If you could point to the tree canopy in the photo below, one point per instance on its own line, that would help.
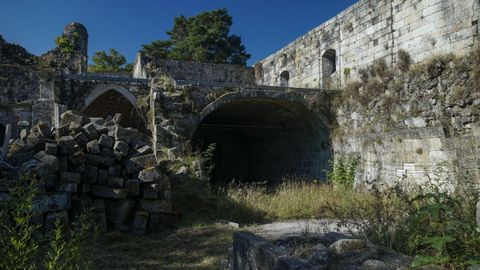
(113, 61)
(204, 37)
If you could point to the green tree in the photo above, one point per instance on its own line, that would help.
(204, 37)
(113, 61)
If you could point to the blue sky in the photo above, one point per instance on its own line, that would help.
(265, 26)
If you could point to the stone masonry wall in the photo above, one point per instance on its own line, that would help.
(417, 124)
(92, 163)
(370, 30)
(194, 72)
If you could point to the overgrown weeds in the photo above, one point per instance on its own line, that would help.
(25, 245)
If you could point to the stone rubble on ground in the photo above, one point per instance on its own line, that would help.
(328, 251)
(99, 164)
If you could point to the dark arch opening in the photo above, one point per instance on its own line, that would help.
(264, 139)
(329, 66)
(284, 78)
(112, 102)
(2, 134)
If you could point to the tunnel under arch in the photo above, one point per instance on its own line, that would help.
(264, 139)
(110, 101)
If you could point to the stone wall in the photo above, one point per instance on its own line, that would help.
(92, 163)
(262, 133)
(194, 72)
(370, 30)
(419, 124)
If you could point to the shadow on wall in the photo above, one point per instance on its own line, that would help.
(264, 139)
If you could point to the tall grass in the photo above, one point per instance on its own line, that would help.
(25, 245)
(292, 200)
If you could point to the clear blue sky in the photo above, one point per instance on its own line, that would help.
(264, 25)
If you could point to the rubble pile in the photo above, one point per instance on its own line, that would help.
(95, 162)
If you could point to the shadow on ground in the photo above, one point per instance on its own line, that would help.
(197, 243)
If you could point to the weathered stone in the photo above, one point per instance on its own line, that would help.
(158, 189)
(36, 141)
(66, 145)
(23, 135)
(47, 168)
(140, 222)
(116, 182)
(149, 175)
(375, 265)
(121, 148)
(131, 136)
(117, 118)
(115, 170)
(99, 160)
(99, 205)
(102, 177)
(136, 164)
(107, 152)
(119, 212)
(91, 131)
(156, 206)
(151, 191)
(346, 247)
(51, 148)
(85, 188)
(63, 130)
(43, 129)
(79, 169)
(133, 187)
(478, 213)
(67, 177)
(101, 221)
(73, 119)
(106, 141)
(97, 120)
(91, 174)
(77, 159)
(81, 139)
(93, 147)
(63, 163)
(50, 203)
(67, 187)
(108, 192)
(144, 150)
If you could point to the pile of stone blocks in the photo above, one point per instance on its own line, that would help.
(94, 163)
(328, 251)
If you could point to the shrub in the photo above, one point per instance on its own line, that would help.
(404, 60)
(66, 44)
(23, 245)
(342, 171)
(433, 222)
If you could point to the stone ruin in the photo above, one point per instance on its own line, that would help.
(326, 251)
(94, 163)
(286, 98)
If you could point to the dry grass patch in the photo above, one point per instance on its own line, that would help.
(200, 247)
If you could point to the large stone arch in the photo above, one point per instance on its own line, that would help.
(108, 99)
(264, 136)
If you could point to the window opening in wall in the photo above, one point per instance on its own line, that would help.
(284, 78)
(329, 66)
